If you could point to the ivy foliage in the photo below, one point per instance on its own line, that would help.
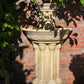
(9, 34)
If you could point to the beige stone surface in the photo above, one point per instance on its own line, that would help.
(46, 59)
(47, 55)
(47, 35)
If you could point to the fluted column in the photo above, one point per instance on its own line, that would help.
(36, 47)
(47, 58)
(58, 80)
(51, 48)
(42, 48)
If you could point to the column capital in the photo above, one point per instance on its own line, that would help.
(58, 46)
(42, 46)
(52, 46)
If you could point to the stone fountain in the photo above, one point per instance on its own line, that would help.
(47, 46)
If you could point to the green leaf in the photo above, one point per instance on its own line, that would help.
(10, 33)
(59, 3)
(7, 15)
(5, 25)
(4, 44)
(13, 48)
(19, 17)
(60, 0)
(34, 1)
(82, 2)
(17, 28)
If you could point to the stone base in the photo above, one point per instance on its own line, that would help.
(51, 82)
(58, 81)
(42, 82)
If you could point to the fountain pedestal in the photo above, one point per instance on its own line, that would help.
(47, 54)
(47, 63)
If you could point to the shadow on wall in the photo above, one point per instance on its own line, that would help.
(15, 69)
(72, 12)
(19, 76)
(77, 67)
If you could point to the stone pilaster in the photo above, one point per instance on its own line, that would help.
(52, 49)
(58, 80)
(36, 47)
(42, 49)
